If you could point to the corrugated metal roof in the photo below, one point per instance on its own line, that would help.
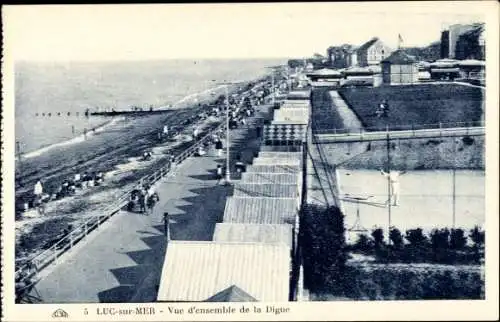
(267, 154)
(292, 115)
(299, 95)
(295, 104)
(281, 161)
(255, 233)
(196, 271)
(274, 178)
(260, 210)
(265, 190)
(290, 169)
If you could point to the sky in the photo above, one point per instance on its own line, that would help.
(163, 31)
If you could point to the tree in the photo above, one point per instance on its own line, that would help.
(440, 244)
(458, 241)
(323, 247)
(477, 237)
(378, 237)
(416, 237)
(440, 238)
(418, 248)
(363, 243)
(396, 238)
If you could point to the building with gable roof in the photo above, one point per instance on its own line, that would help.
(399, 68)
(371, 53)
(340, 56)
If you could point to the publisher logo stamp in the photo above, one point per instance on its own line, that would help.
(60, 313)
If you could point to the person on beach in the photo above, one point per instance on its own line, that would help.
(219, 173)
(77, 180)
(91, 182)
(38, 190)
(99, 178)
(85, 180)
(196, 132)
(393, 177)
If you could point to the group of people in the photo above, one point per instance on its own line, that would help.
(67, 188)
(144, 198)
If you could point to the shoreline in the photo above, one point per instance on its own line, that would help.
(72, 141)
(80, 138)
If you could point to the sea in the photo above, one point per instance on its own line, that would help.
(51, 97)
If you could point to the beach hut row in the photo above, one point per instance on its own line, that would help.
(250, 256)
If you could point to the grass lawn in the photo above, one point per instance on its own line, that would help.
(323, 115)
(416, 105)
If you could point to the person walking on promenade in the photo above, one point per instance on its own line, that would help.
(240, 166)
(142, 200)
(219, 173)
(393, 177)
(218, 147)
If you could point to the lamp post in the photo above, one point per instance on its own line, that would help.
(228, 173)
(273, 68)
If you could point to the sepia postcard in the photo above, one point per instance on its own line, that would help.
(250, 161)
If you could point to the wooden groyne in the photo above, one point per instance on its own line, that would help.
(130, 113)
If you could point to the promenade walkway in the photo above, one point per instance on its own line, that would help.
(122, 261)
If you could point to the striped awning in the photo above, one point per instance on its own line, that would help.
(284, 134)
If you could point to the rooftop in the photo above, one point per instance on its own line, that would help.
(399, 57)
(273, 178)
(265, 190)
(274, 168)
(206, 271)
(255, 233)
(260, 210)
(367, 44)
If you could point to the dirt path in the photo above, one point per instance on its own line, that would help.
(351, 121)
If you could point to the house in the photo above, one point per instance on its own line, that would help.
(340, 56)
(372, 52)
(463, 41)
(399, 68)
(471, 44)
